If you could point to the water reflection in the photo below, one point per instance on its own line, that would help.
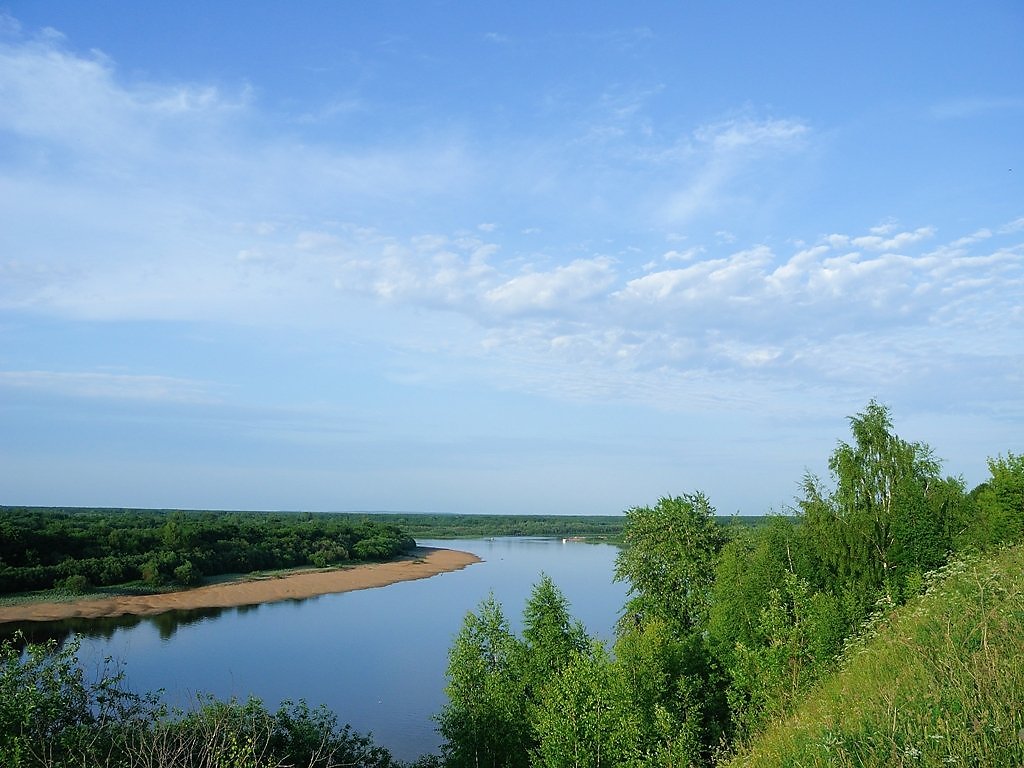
(166, 624)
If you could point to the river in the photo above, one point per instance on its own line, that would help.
(375, 657)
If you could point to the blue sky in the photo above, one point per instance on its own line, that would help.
(471, 257)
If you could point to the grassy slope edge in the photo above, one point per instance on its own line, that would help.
(937, 682)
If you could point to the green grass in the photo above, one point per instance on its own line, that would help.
(59, 595)
(938, 682)
(133, 588)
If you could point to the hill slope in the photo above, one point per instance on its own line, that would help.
(938, 682)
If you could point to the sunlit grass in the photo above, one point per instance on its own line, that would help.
(939, 682)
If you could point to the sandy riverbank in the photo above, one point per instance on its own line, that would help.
(421, 564)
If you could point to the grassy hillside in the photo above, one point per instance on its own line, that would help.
(938, 682)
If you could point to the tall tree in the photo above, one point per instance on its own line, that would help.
(551, 637)
(579, 719)
(887, 516)
(669, 561)
(485, 723)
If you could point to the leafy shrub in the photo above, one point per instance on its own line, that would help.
(51, 717)
(76, 584)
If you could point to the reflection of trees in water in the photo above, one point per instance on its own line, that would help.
(167, 623)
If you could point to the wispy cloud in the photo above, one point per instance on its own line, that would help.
(556, 290)
(718, 155)
(253, 230)
(111, 386)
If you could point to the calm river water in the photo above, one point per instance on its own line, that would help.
(375, 657)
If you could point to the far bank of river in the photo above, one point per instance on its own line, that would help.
(375, 657)
(423, 563)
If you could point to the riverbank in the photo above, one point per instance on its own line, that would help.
(422, 563)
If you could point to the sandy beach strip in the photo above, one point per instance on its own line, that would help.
(422, 563)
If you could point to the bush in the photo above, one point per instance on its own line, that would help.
(187, 574)
(76, 584)
(51, 717)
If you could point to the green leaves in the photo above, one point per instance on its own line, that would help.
(485, 723)
(887, 518)
(52, 717)
(668, 559)
(997, 514)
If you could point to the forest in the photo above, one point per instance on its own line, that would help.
(727, 629)
(887, 577)
(450, 526)
(78, 550)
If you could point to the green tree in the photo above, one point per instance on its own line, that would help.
(660, 696)
(887, 517)
(996, 511)
(580, 719)
(485, 723)
(751, 564)
(800, 632)
(551, 637)
(669, 561)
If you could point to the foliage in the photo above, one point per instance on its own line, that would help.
(661, 711)
(751, 564)
(52, 717)
(77, 550)
(939, 682)
(669, 558)
(448, 526)
(996, 512)
(551, 638)
(887, 521)
(557, 698)
(800, 631)
(485, 722)
(579, 715)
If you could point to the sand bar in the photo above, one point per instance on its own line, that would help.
(422, 563)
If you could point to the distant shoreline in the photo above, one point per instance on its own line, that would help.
(421, 563)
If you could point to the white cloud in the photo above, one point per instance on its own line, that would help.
(1014, 226)
(67, 100)
(561, 288)
(722, 153)
(884, 229)
(877, 243)
(688, 255)
(733, 135)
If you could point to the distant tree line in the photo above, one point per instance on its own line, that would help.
(450, 526)
(726, 626)
(79, 549)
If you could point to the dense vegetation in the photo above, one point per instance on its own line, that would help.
(880, 624)
(938, 682)
(78, 550)
(439, 526)
(52, 717)
(728, 629)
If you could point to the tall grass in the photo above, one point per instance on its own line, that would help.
(938, 682)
